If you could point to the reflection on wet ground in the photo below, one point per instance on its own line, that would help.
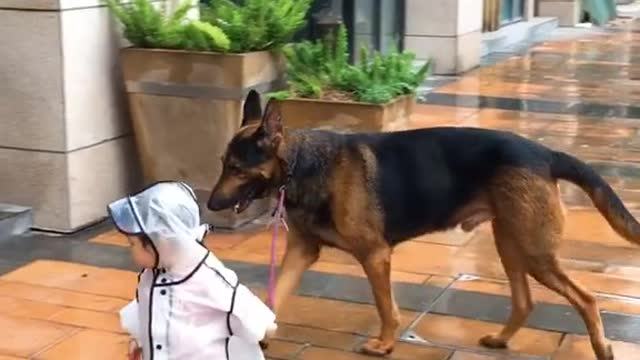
(600, 68)
(578, 95)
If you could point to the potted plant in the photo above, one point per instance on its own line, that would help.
(326, 91)
(186, 80)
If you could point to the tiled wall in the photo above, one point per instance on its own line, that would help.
(65, 143)
(448, 31)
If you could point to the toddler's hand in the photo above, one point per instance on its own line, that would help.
(271, 331)
(135, 351)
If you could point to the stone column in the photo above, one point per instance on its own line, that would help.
(65, 140)
(567, 11)
(529, 9)
(448, 31)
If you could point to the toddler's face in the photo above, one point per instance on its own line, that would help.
(143, 256)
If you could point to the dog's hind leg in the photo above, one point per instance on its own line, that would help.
(529, 214)
(377, 266)
(553, 277)
(521, 301)
(545, 268)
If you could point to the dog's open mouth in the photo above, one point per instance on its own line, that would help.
(242, 205)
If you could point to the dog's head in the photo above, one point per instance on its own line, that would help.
(252, 164)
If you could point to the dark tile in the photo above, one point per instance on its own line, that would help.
(473, 305)
(451, 100)
(32, 247)
(7, 266)
(5, 215)
(621, 327)
(601, 110)
(616, 170)
(545, 316)
(528, 105)
(556, 317)
(416, 297)
(495, 308)
(252, 275)
(349, 288)
(346, 288)
(413, 297)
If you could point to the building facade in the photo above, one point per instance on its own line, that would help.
(377, 24)
(454, 33)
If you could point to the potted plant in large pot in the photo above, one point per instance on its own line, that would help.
(186, 80)
(326, 91)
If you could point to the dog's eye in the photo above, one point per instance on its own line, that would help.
(237, 171)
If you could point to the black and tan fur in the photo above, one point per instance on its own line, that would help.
(365, 193)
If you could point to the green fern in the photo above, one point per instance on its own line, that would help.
(315, 68)
(255, 25)
(217, 38)
(146, 26)
(279, 95)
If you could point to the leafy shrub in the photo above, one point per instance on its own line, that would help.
(147, 26)
(321, 69)
(254, 25)
(225, 26)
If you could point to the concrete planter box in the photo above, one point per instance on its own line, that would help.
(347, 116)
(185, 108)
(65, 144)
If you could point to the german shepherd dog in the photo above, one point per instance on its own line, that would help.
(366, 193)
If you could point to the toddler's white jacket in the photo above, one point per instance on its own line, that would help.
(189, 306)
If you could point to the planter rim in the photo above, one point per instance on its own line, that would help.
(355, 103)
(178, 51)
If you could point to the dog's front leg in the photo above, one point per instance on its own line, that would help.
(299, 256)
(377, 266)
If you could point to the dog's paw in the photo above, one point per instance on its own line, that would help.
(493, 342)
(376, 347)
(608, 355)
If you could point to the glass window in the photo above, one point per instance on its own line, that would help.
(390, 25)
(376, 24)
(511, 11)
(364, 25)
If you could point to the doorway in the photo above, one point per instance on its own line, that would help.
(511, 11)
(376, 24)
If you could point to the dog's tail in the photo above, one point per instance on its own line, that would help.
(567, 167)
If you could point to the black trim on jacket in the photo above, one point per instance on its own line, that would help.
(229, 314)
(178, 282)
(150, 329)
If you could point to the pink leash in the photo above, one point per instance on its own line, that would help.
(277, 219)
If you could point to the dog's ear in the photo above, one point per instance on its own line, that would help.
(272, 119)
(252, 111)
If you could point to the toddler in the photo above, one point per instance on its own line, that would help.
(188, 305)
